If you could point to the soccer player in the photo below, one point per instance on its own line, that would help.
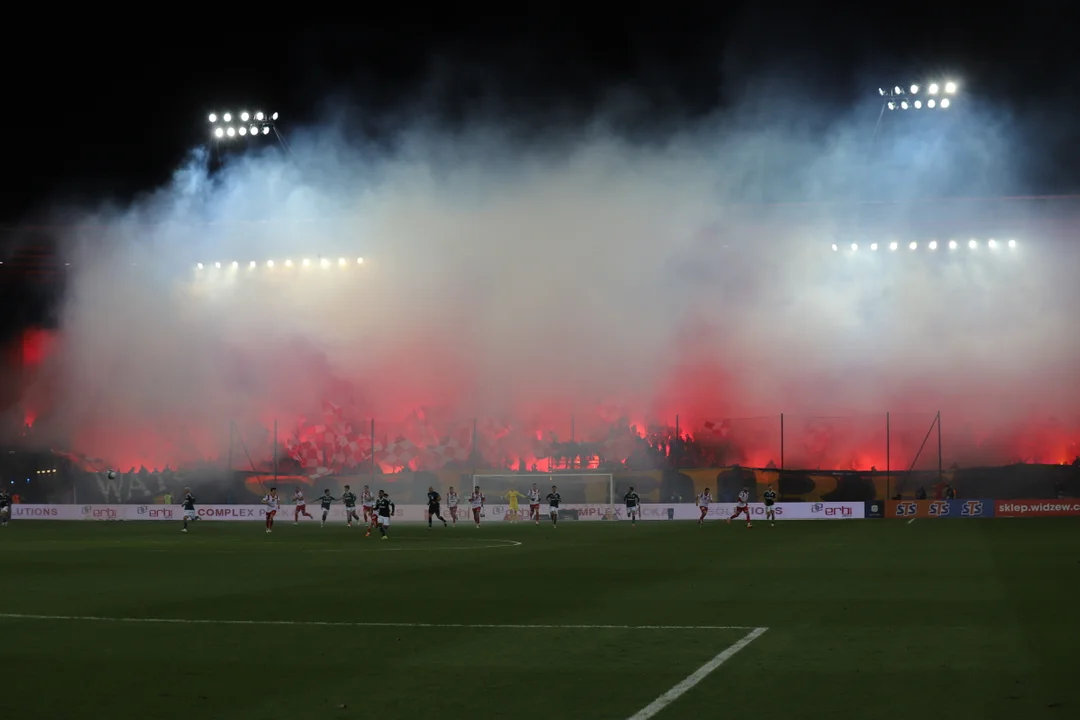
(273, 504)
(476, 501)
(326, 501)
(554, 498)
(367, 502)
(534, 503)
(433, 500)
(452, 503)
(5, 508)
(742, 506)
(189, 508)
(512, 498)
(300, 506)
(384, 509)
(770, 505)
(633, 506)
(349, 498)
(703, 501)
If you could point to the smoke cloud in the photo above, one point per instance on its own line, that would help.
(583, 275)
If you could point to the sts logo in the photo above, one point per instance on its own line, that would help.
(938, 508)
(907, 509)
(972, 508)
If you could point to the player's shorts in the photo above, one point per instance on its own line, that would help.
(434, 510)
(534, 507)
(271, 513)
(703, 508)
(553, 509)
(384, 520)
(633, 510)
(301, 508)
(769, 506)
(350, 510)
(367, 508)
(742, 508)
(477, 508)
(6, 510)
(452, 509)
(191, 515)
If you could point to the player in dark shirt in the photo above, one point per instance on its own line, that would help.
(384, 510)
(188, 504)
(326, 501)
(769, 496)
(349, 498)
(554, 498)
(633, 506)
(433, 510)
(5, 508)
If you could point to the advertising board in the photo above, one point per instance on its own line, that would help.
(959, 509)
(1037, 508)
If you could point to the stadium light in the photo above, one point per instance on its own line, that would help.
(288, 263)
(199, 265)
(360, 261)
(235, 265)
(253, 124)
(914, 245)
(1012, 244)
(992, 243)
(894, 245)
(973, 243)
(873, 246)
(854, 247)
(899, 98)
(269, 263)
(307, 262)
(952, 244)
(325, 263)
(834, 248)
(217, 265)
(251, 265)
(933, 244)
(341, 262)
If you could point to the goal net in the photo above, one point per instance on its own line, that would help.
(592, 493)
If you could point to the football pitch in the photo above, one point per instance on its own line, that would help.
(882, 619)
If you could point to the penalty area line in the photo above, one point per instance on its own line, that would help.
(321, 623)
(697, 676)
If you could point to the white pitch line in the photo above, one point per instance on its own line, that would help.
(911, 520)
(698, 675)
(321, 623)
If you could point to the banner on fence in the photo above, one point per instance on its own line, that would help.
(418, 513)
(1036, 508)
(939, 509)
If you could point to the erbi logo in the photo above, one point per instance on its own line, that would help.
(972, 508)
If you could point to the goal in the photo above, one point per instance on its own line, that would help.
(594, 490)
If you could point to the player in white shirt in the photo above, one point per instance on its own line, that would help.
(476, 501)
(742, 506)
(703, 501)
(367, 502)
(273, 504)
(452, 501)
(299, 506)
(534, 503)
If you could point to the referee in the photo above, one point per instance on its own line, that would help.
(433, 509)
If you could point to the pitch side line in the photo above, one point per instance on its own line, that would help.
(698, 675)
(320, 623)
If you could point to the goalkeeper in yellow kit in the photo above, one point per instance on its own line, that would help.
(512, 498)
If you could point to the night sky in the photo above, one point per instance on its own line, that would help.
(119, 111)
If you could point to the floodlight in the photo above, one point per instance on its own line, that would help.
(244, 116)
(274, 116)
(243, 131)
(227, 117)
(213, 118)
(952, 244)
(217, 265)
(259, 116)
(914, 89)
(950, 87)
(266, 130)
(931, 103)
(893, 245)
(834, 248)
(251, 264)
(306, 262)
(235, 265)
(254, 130)
(218, 132)
(359, 261)
(933, 89)
(230, 132)
(200, 266)
(325, 263)
(914, 245)
(904, 105)
(881, 91)
(972, 244)
(918, 104)
(341, 262)
(269, 263)
(288, 263)
(933, 244)
(873, 246)
(944, 103)
(891, 105)
(992, 243)
(897, 90)
(1012, 243)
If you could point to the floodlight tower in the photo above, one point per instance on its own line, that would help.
(227, 127)
(934, 95)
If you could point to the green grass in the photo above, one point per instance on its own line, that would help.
(875, 619)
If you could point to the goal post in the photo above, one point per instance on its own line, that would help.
(595, 489)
